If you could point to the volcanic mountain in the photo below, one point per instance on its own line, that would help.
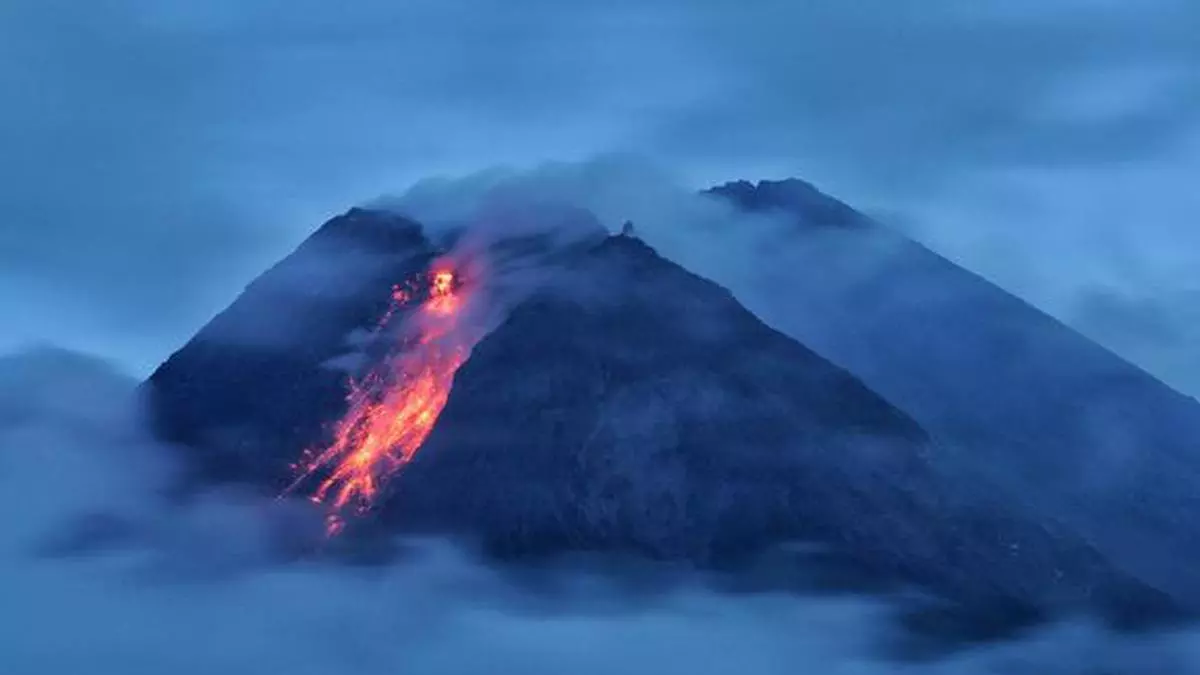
(576, 391)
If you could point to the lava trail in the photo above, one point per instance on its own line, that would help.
(393, 408)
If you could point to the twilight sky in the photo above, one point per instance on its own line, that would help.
(156, 156)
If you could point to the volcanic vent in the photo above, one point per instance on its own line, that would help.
(622, 404)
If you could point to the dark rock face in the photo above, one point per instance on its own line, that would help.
(654, 413)
(1047, 419)
(254, 387)
(624, 405)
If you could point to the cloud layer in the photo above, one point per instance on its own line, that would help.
(191, 589)
(158, 157)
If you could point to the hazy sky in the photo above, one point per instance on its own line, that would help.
(155, 156)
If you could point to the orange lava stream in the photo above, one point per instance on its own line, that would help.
(392, 409)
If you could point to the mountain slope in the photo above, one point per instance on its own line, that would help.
(255, 383)
(659, 416)
(1058, 424)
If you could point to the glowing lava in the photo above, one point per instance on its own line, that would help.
(393, 408)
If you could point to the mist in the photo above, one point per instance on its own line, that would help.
(101, 573)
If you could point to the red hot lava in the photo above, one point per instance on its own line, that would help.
(393, 408)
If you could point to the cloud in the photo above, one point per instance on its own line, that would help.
(159, 156)
(160, 586)
(906, 96)
(192, 589)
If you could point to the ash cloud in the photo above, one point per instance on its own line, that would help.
(190, 589)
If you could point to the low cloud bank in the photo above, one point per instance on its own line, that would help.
(100, 574)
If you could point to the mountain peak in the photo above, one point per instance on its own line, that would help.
(378, 230)
(792, 196)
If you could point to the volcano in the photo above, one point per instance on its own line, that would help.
(602, 399)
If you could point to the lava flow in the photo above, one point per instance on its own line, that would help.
(393, 408)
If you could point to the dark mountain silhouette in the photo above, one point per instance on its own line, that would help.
(1047, 418)
(254, 385)
(623, 405)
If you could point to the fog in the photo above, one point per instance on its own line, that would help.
(193, 589)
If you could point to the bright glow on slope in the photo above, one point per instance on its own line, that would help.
(393, 408)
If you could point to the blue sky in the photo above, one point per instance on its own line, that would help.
(159, 155)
